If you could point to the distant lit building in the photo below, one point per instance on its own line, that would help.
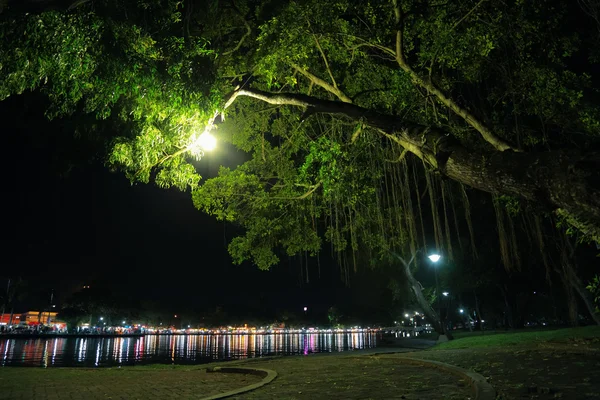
(39, 317)
(5, 319)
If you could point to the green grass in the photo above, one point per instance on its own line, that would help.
(520, 337)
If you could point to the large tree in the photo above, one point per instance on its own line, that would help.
(346, 109)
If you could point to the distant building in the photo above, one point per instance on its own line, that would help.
(5, 319)
(39, 317)
(31, 318)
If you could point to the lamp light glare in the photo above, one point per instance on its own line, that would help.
(435, 257)
(206, 141)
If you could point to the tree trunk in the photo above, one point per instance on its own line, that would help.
(578, 286)
(508, 310)
(564, 181)
(571, 305)
(478, 309)
(417, 290)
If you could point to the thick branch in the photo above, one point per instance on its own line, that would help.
(560, 180)
(486, 133)
(320, 82)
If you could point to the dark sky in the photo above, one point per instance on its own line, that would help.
(66, 226)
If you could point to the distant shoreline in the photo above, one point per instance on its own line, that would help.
(112, 335)
(64, 335)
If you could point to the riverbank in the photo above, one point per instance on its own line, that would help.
(522, 365)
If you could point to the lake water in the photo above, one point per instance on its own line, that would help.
(172, 349)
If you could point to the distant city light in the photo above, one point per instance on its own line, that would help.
(435, 257)
(123, 322)
(406, 315)
(305, 309)
(101, 318)
(445, 293)
(461, 311)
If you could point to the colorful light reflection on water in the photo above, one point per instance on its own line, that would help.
(172, 349)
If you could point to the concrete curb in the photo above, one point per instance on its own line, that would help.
(267, 374)
(483, 390)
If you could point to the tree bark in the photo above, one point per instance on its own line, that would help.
(565, 181)
(478, 310)
(579, 287)
(508, 317)
(429, 312)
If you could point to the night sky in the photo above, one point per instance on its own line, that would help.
(69, 221)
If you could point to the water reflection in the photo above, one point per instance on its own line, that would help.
(179, 349)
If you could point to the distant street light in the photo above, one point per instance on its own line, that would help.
(406, 315)
(461, 311)
(123, 322)
(305, 309)
(101, 318)
(445, 294)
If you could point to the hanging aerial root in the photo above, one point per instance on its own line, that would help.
(505, 253)
(467, 208)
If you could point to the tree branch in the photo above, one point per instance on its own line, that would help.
(486, 133)
(313, 188)
(245, 36)
(418, 139)
(320, 82)
(467, 14)
(325, 60)
(559, 180)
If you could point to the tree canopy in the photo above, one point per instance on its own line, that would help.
(348, 111)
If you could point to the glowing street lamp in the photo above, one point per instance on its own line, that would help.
(201, 143)
(445, 294)
(206, 141)
(461, 311)
(434, 257)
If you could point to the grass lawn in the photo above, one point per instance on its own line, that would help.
(355, 377)
(314, 377)
(144, 382)
(543, 364)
